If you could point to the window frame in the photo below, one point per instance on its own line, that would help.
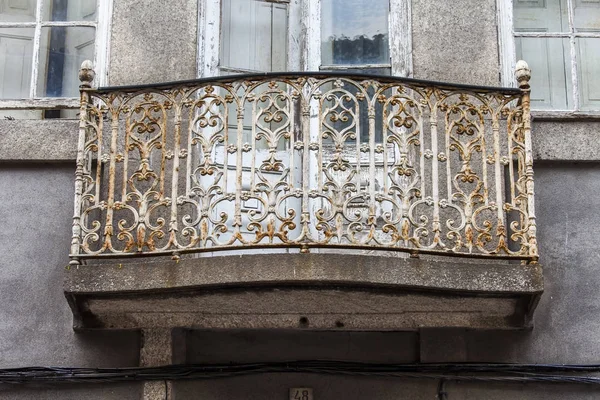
(508, 55)
(304, 38)
(101, 56)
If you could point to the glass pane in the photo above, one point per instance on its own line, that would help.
(587, 15)
(17, 10)
(16, 50)
(62, 50)
(589, 73)
(549, 60)
(540, 16)
(354, 32)
(254, 35)
(69, 10)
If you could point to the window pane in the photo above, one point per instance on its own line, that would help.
(549, 60)
(589, 73)
(354, 32)
(69, 10)
(62, 50)
(541, 16)
(17, 10)
(16, 50)
(254, 35)
(587, 15)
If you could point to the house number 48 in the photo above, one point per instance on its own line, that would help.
(301, 394)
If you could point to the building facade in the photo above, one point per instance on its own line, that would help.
(477, 299)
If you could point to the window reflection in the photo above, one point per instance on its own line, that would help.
(354, 32)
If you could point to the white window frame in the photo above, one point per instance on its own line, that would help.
(304, 39)
(507, 52)
(101, 55)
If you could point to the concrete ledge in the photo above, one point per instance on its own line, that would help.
(277, 269)
(39, 140)
(566, 140)
(316, 291)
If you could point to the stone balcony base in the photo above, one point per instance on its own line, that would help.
(319, 291)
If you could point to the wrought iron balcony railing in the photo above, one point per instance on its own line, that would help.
(304, 160)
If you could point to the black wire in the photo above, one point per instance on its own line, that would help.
(466, 372)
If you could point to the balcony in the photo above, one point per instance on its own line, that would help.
(304, 200)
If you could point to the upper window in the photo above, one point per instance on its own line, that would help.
(560, 40)
(42, 46)
(253, 36)
(282, 35)
(355, 34)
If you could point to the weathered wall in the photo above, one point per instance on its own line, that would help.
(153, 41)
(445, 50)
(35, 320)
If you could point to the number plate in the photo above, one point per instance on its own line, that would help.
(301, 394)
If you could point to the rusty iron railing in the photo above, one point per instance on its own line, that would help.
(304, 160)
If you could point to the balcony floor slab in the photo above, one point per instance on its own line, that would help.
(304, 291)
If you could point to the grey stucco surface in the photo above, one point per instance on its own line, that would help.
(35, 140)
(153, 41)
(444, 50)
(566, 321)
(113, 391)
(35, 320)
(575, 140)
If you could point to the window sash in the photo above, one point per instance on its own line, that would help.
(507, 38)
(102, 29)
(305, 55)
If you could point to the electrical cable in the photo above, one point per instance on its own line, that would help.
(463, 372)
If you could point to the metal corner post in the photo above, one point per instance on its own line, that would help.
(86, 77)
(523, 75)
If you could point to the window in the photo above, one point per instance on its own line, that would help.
(42, 45)
(253, 36)
(283, 35)
(560, 39)
(355, 35)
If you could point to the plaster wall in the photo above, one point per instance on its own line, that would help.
(35, 320)
(445, 50)
(153, 41)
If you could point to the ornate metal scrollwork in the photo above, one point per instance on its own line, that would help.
(304, 161)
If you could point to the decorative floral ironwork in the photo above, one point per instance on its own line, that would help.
(318, 161)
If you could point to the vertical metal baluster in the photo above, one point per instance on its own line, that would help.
(110, 202)
(498, 175)
(306, 170)
(484, 168)
(372, 220)
(523, 74)
(254, 119)
(237, 219)
(86, 76)
(435, 226)
(173, 228)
